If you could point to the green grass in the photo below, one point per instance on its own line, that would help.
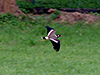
(22, 53)
(27, 6)
(68, 3)
(93, 4)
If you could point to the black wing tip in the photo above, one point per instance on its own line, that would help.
(56, 46)
(57, 50)
(46, 26)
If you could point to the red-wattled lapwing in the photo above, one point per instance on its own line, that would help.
(53, 38)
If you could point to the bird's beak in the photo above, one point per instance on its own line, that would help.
(60, 35)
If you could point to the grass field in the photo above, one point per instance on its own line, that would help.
(22, 53)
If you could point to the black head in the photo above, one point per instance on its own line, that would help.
(58, 35)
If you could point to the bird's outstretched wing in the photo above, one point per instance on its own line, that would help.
(51, 32)
(48, 29)
(56, 44)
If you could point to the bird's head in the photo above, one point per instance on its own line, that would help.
(58, 35)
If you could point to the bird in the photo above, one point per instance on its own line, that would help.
(53, 38)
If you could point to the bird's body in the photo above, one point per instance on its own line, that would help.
(53, 38)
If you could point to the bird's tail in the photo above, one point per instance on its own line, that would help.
(43, 39)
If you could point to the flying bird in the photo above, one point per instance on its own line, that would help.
(53, 38)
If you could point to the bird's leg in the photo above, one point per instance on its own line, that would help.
(42, 40)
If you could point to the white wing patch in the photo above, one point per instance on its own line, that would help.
(54, 40)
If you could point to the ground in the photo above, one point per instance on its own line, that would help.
(74, 17)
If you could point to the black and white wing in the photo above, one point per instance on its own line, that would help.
(48, 29)
(53, 38)
(56, 44)
(51, 33)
